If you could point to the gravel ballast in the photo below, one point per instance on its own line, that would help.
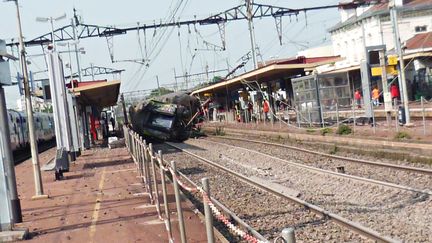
(393, 212)
(263, 211)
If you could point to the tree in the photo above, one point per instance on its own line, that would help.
(161, 91)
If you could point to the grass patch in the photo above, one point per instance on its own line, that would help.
(402, 136)
(220, 131)
(310, 130)
(334, 150)
(326, 130)
(344, 130)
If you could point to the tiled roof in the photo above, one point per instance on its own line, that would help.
(382, 8)
(420, 41)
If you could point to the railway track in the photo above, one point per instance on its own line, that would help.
(393, 209)
(260, 205)
(24, 154)
(331, 156)
(327, 167)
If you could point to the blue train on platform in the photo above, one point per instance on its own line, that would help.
(18, 128)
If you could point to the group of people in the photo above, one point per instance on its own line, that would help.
(376, 95)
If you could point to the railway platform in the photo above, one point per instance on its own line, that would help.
(99, 200)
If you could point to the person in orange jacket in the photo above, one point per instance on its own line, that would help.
(375, 96)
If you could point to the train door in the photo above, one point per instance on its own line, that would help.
(12, 130)
(24, 128)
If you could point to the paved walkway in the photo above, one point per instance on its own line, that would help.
(100, 200)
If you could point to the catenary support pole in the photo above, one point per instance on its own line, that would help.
(178, 205)
(8, 160)
(394, 20)
(249, 6)
(39, 192)
(423, 115)
(126, 121)
(207, 211)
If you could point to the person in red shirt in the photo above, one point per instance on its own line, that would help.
(266, 108)
(358, 97)
(394, 91)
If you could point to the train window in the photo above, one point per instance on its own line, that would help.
(11, 118)
(17, 120)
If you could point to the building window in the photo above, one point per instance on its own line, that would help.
(422, 28)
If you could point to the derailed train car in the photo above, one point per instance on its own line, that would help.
(169, 117)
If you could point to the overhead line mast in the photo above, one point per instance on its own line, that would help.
(239, 12)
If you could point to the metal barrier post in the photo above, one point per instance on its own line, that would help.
(354, 117)
(337, 113)
(280, 122)
(288, 122)
(178, 204)
(396, 120)
(423, 115)
(147, 171)
(156, 189)
(288, 235)
(141, 161)
(134, 148)
(207, 210)
(164, 193)
(373, 118)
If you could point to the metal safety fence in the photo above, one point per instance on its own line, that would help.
(150, 163)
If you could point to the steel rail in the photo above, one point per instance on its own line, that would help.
(360, 161)
(227, 211)
(353, 226)
(323, 171)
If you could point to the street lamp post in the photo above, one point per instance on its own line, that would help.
(39, 193)
(51, 20)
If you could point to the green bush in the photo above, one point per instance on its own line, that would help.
(326, 130)
(310, 130)
(344, 130)
(220, 131)
(334, 150)
(402, 135)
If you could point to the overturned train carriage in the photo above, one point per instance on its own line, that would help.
(168, 117)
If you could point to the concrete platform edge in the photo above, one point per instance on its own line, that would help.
(14, 235)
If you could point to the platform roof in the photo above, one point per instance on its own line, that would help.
(266, 73)
(100, 94)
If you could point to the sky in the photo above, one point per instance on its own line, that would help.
(180, 49)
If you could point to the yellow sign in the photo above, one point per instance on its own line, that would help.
(392, 60)
(377, 71)
(207, 94)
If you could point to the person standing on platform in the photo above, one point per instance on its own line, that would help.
(266, 108)
(394, 91)
(375, 96)
(357, 98)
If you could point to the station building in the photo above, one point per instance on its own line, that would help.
(337, 70)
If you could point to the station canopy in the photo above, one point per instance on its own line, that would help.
(98, 93)
(271, 71)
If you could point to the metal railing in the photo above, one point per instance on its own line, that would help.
(148, 162)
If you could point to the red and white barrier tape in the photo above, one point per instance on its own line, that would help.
(183, 185)
(219, 216)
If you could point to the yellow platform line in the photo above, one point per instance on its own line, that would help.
(97, 206)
